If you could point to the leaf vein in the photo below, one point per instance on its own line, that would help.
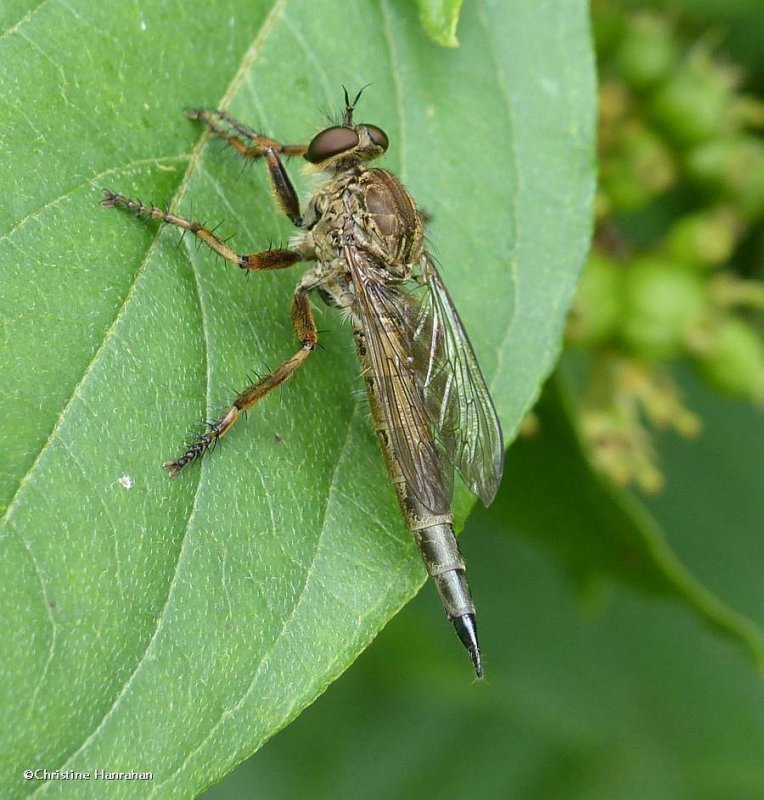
(24, 20)
(92, 181)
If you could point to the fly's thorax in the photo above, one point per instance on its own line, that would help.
(391, 225)
(329, 194)
(380, 212)
(329, 212)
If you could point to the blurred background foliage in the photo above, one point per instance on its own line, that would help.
(595, 690)
(675, 271)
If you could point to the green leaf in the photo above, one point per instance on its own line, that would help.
(173, 626)
(439, 19)
(599, 531)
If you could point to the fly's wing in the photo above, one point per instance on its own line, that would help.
(454, 389)
(385, 315)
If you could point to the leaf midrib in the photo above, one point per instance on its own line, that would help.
(193, 164)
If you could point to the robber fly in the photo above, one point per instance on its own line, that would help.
(429, 402)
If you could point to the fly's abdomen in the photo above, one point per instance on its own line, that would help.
(441, 556)
(431, 524)
(444, 563)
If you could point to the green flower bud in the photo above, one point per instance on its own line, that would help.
(734, 166)
(663, 302)
(694, 105)
(647, 52)
(639, 168)
(703, 239)
(597, 306)
(734, 362)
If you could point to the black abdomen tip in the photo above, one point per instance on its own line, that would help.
(466, 628)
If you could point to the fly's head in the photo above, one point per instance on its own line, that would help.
(344, 146)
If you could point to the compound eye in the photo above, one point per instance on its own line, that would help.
(378, 136)
(331, 142)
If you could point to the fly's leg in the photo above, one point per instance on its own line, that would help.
(305, 328)
(275, 258)
(243, 139)
(254, 145)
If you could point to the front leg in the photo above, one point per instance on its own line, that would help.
(275, 258)
(250, 144)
